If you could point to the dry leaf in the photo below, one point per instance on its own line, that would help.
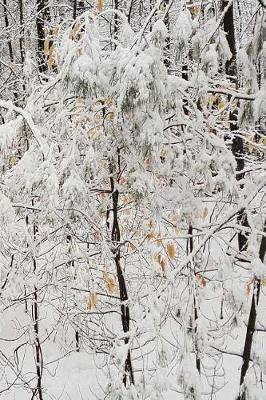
(201, 280)
(248, 286)
(158, 257)
(159, 242)
(109, 282)
(99, 5)
(75, 33)
(92, 301)
(150, 236)
(46, 42)
(56, 31)
(250, 143)
(51, 57)
(221, 104)
(263, 281)
(195, 10)
(12, 161)
(205, 213)
(132, 246)
(170, 249)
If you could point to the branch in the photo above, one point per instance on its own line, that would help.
(8, 105)
(262, 3)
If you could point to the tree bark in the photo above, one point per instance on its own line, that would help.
(125, 314)
(238, 143)
(190, 250)
(251, 321)
(9, 42)
(42, 16)
(37, 343)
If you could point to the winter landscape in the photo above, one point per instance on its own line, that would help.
(132, 201)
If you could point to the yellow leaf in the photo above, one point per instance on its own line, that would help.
(99, 5)
(92, 301)
(109, 282)
(170, 249)
(205, 213)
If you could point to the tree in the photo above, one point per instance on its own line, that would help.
(121, 207)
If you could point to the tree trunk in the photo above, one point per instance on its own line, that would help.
(9, 43)
(251, 321)
(238, 143)
(125, 314)
(42, 16)
(37, 343)
(190, 250)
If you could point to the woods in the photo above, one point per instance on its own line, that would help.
(132, 204)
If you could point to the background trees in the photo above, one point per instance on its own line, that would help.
(132, 205)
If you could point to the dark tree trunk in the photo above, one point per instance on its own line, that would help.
(238, 142)
(190, 250)
(125, 314)
(251, 321)
(75, 9)
(116, 7)
(10, 48)
(167, 45)
(42, 16)
(9, 43)
(21, 33)
(38, 391)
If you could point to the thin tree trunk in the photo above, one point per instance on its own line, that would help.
(190, 250)
(238, 142)
(116, 21)
(42, 16)
(167, 46)
(21, 32)
(75, 9)
(37, 344)
(9, 43)
(251, 321)
(125, 314)
(10, 48)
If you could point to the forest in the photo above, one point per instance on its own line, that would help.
(132, 201)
